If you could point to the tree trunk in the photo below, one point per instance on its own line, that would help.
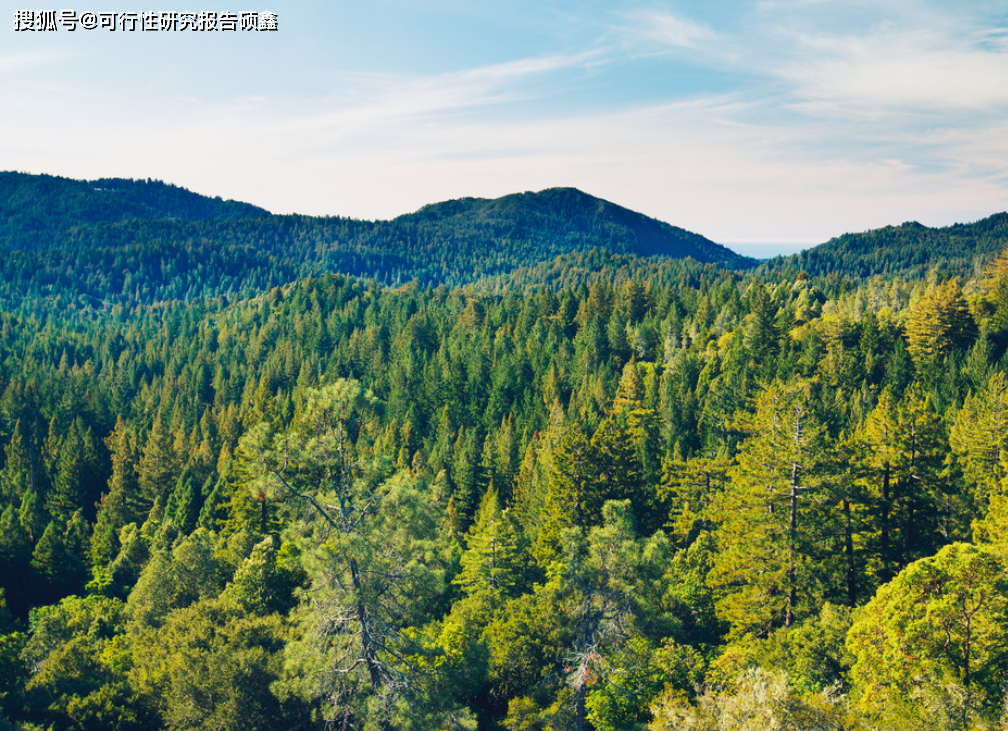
(849, 551)
(886, 562)
(579, 706)
(792, 539)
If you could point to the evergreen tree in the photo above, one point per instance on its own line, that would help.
(16, 476)
(979, 437)
(690, 489)
(32, 516)
(570, 494)
(15, 557)
(49, 560)
(774, 515)
(939, 323)
(489, 562)
(157, 468)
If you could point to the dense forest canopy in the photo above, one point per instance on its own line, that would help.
(591, 488)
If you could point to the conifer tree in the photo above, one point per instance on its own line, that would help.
(73, 481)
(939, 323)
(570, 494)
(773, 516)
(157, 467)
(122, 503)
(532, 484)
(878, 447)
(15, 557)
(373, 562)
(16, 476)
(32, 517)
(690, 489)
(902, 448)
(979, 437)
(490, 560)
(49, 559)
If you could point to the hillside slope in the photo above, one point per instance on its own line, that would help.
(135, 242)
(39, 210)
(909, 250)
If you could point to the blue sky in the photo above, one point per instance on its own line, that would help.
(777, 122)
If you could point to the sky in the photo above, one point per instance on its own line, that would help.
(766, 125)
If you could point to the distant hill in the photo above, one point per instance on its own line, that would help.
(37, 210)
(572, 221)
(910, 250)
(135, 241)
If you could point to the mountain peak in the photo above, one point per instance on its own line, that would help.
(579, 220)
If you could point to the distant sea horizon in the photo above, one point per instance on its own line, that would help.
(766, 250)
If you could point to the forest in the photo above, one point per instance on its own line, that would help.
(590, 488)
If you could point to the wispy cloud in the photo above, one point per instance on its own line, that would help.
(669, 29)
(362, 102)
(656, 30)
(895, 68)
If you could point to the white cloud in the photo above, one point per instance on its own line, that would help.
(890, 68)
(666, 29)
(365, 104)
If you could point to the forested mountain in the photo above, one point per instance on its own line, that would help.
(40, 210)
(582, 222)
(594, 490)
(131, 242)
(910, 250)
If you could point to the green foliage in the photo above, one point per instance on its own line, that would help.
(761, 700)
(338, 501)
(265, 582)
(76, 679)
(939, 323)
(979, 436)
(490, 560)
(909, 250)
(175, 578)
(942, 619)
(211, 666)
(773, 516)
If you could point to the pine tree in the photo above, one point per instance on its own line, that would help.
(773, 516)
(570, 496)
(878, 449)
(939, 323)
(618, 475)
(490, 560)
(979, 437)
(464, 474)
(49, 560)
(16, 476)
(157, 469)
(122, 504)
(15, 557)
(72, 482)
(532, 484)
(690, 488)
(32, 516)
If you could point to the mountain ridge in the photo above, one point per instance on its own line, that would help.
(38, 208)
(909, 249)
(135, 241)
(69, 237)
